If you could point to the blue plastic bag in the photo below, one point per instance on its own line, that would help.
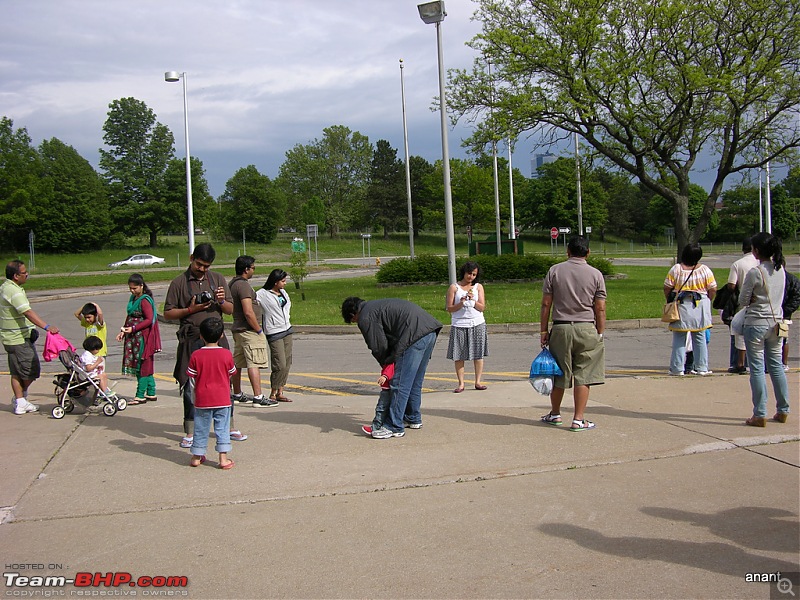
(545, 364)
(543, 369)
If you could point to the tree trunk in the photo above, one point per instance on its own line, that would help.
(153, 238)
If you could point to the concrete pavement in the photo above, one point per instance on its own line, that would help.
(670, 497)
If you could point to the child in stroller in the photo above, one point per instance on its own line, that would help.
(85, 383)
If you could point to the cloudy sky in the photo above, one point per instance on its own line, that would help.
(262, 75)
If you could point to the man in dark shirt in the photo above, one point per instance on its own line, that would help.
(399, 332)
(192, 297)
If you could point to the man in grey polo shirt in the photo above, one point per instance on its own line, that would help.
(575, 293)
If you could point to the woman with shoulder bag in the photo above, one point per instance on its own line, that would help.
(695, 287)
(762, 295)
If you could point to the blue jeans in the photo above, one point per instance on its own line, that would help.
(382, 409)
(699, 348)
(203, 418)
(762, 342)
(409, 373)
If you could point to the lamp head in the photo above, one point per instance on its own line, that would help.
(172, 76)
(432, 12)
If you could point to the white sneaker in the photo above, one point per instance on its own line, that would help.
(22, 406)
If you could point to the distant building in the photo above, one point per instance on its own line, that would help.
(541, 159)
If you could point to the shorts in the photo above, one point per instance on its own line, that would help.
(23, 361)
(580, 352)
(250, 350)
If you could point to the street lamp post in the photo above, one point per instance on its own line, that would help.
(513, 225)
(433, 12)
(408, 166)
(173, 76)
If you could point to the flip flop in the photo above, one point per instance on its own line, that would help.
(458, 390)
(282, 399)
(480, 387)
(136, 401)
(202, 460)
(228, 466)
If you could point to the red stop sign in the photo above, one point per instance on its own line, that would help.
(554, 233)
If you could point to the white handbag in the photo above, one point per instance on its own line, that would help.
(737, 323)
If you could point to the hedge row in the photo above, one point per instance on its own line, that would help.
(427, 268)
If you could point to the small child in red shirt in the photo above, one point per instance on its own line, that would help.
(211, 368)
(377, 430)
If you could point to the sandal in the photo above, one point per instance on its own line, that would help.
(136, 401)
(282, 399)
(581, 425)
(150, 398)
(187, 442)
(481, 387)
(552, 419)
(227, 466)
(202, 460)
(458, 390)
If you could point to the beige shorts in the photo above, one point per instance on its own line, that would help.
(580, 352)
(250, 350)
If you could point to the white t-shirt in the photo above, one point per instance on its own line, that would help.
(88, 358)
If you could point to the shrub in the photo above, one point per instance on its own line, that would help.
(427, 268)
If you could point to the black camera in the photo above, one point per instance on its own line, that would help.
(203, 297)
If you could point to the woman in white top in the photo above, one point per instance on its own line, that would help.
(275, 307)
(762, 296)
(468, 340)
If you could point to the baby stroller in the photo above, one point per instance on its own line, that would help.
(77, 386)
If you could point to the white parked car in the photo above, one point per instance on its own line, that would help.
(137, 260)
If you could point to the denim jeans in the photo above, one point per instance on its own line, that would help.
(409, 373)
(203, 417)
(762, 342)
(699, 348)
(382, 409)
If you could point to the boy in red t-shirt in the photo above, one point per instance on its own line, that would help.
(211, 368)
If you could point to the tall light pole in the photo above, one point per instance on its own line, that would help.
(578, 177)
(433, 12)
(494, 174)
(408, 166)
(513, 225)
(173, 76)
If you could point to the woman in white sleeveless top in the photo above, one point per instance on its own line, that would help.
(468, 340)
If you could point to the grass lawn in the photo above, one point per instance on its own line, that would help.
(638, 295)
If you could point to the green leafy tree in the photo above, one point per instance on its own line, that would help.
(552, 198)
(784, 213)
(649, 85)
(22, 186)
(75, 216)
(422, 197)
(335, 169)
(312, 213)
(739, 212)
(386, 200)
(204, 210)
(134, 163)
(251, 204)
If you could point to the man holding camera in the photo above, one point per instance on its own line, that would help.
(192, 297)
